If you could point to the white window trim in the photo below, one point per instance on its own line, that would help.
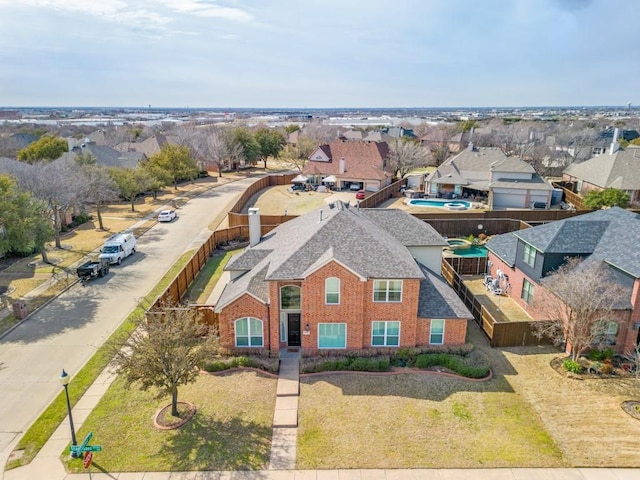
(387, 280)
(327, 292)
(235, 334)
(345, 336)
(444, 325)
(385, 335)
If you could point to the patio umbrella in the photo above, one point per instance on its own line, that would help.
(299, 179)
(329, 179)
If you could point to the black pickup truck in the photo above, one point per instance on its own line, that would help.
(93, 269)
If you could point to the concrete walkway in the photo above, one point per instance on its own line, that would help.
(285, 416)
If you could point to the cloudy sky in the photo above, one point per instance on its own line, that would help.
(319, 53)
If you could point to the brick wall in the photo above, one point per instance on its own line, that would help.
(356, 308)
(245, 306)
(455, 331)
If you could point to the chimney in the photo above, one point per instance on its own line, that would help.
(342, 165)
(254, 226)
(470, 147)
(615, 146)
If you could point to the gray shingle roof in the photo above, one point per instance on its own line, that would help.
(370, 242)
(504, 246)
(609, 235)
(407, 229)
(620, 170)
(356, 242)
(438, 299)
(535, 183)
(249, 259)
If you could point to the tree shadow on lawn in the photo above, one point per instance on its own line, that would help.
(208, 444)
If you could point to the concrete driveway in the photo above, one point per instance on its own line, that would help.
(67, 332)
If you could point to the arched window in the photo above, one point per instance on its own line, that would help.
(248, 331)
(332, 291)
(290, 297)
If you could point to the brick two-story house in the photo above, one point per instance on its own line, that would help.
(341, 278)
(363, 164)
(610, 237)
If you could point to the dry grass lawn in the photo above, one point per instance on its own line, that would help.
(275, 200)
(528, 415)
(230, 431)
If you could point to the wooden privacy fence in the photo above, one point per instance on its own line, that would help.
(382, 195)
(264, 182)
(500, 331)
(176, 290)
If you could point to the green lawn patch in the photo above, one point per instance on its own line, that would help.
(230, 431)
(206, 280)
(42, 429)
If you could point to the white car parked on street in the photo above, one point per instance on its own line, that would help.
(166, 215)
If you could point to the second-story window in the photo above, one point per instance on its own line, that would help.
(332, 291)
(290, 297)
(387, 291)
(529, 256)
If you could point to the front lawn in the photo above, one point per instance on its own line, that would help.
(230, 431)
(418, 421)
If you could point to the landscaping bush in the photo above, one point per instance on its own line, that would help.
(260, 362)
(571, 366)
(471, 364)
(454, 363)
(601, 355)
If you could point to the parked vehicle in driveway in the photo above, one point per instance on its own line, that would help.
(360, 195)
(118, 247)
(166, 215)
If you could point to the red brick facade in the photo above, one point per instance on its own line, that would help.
(627, 333)
(356, 309)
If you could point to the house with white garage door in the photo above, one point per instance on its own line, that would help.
(486, 172)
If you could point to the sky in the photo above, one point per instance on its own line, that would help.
(319, 53)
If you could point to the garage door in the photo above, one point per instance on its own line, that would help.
(371, 186)
(508, 200)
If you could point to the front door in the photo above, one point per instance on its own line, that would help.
(293, 321)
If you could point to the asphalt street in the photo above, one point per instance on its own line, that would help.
(66, 332)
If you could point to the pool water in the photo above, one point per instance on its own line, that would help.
(430, 202)
(472, 251)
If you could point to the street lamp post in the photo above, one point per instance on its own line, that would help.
(64, 380)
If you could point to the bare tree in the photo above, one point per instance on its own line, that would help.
(575, 145)
(405, 155)
(165, 351)
(100, 188)
(580, 299)
(299, 154)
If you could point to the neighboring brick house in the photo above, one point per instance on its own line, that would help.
(341, 278)
(608, 236)
(355, 164)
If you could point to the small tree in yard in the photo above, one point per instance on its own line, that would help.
(580, 300)
(608, 197)
(165, 351)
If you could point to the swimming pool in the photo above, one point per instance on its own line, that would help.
(432, 202)
(472, 251)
